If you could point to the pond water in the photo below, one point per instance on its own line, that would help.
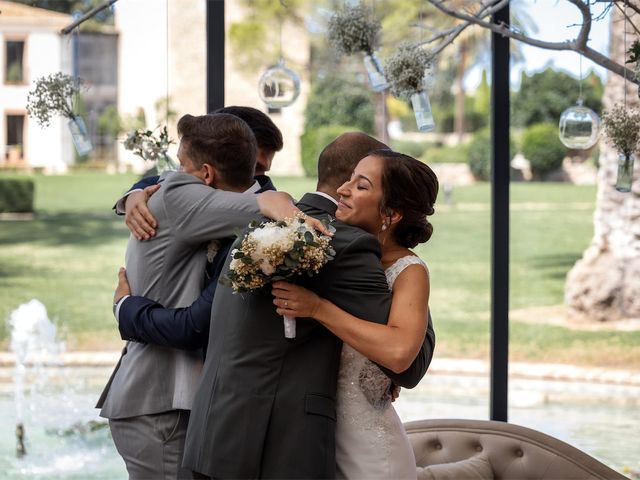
(65, 438)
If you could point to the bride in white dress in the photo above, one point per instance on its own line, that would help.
(389, 195)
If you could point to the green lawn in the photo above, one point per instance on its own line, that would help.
(68, 257)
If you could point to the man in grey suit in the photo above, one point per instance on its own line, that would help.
(265, 405)
(149, 395)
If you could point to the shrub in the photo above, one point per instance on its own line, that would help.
(479, 156)
(410, 147)
(453, 154)
(313, 141)
(542, 147)
(16, 195)
(335, 101)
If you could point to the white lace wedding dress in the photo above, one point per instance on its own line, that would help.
(370, 439)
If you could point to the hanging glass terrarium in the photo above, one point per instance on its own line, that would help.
(279, 86)
(579, 127)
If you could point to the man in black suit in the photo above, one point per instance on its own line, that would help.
(265, 405)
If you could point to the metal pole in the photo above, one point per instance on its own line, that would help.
(500, 220)
(215, 54)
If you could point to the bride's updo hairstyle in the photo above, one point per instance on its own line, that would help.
(409, 187)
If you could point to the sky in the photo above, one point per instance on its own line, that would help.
(555, 20)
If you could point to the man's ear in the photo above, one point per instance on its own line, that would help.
(210, 174)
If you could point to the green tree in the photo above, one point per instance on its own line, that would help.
(545, 95)
(482, 98)
(335, 101)
(109, 123)
(255, 40)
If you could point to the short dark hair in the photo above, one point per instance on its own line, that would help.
(338, 159)
(410, 187)
(223, 141)
(268, 136)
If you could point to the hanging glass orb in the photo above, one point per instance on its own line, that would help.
(279, 86)
(579, 127)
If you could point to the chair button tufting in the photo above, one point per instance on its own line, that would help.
(519, 453)
(438, 446)
(478, 448)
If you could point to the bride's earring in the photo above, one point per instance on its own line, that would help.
(384, 227)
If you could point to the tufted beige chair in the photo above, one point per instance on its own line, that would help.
(483, 449)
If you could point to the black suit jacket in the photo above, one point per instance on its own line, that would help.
(265, 405)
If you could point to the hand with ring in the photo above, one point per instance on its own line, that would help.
(295, 301)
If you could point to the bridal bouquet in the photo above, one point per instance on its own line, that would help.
(272, 251)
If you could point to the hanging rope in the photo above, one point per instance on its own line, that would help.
(625, 49)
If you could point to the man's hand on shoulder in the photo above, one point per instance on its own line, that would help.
(138, 218)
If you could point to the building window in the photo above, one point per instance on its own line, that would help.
(14, 67)
(15, 138)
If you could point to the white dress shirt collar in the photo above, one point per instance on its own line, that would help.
(327, 196)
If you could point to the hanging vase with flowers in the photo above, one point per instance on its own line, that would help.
(353, 30)
(152, 147)
(56, 95)
(407, 71)
(622, 128)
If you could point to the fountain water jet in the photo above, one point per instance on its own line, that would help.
(33, 340)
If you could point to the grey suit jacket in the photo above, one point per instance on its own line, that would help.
(170, 268)
(265, 406)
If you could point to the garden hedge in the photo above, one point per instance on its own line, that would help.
(16, 195)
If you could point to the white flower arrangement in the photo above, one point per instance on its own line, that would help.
(406, 70)
(622, 128)
(53, 95)
(272, 251)
(151, 147)
(351, 30)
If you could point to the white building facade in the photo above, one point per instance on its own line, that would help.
(31, 46)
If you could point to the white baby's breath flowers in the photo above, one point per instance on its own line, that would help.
(406, 70)
(352, 30)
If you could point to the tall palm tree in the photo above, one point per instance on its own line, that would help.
(605, 283)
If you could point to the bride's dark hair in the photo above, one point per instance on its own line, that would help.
(410, 187)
